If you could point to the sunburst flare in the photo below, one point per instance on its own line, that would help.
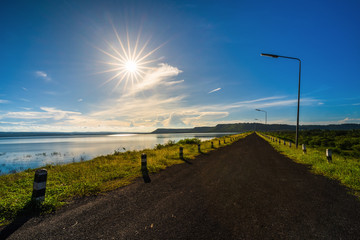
(129, 64)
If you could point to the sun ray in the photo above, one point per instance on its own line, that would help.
(108, 54)
(141, 50)
(121, 44)
(113, 77)
(115, 50)
(137, 42)
(110, 70)
(130, 62)
(128, 43)
(151, 52)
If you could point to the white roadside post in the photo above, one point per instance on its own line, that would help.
(39, 187)
(329, 155)
(143, 161)
(181, 154)
(304, 148)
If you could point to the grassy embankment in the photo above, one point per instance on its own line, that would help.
(344, 169)
(101, 174)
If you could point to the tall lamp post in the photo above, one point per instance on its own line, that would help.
(256, 123)
(265, 114)
(298, 107)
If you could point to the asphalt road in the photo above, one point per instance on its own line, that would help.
(243, 191)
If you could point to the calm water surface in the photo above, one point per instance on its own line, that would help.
(20, 153)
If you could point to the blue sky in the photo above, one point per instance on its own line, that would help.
(62, 66)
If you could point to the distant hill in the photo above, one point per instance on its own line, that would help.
(244, 127)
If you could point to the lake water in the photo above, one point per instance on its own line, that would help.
(20, 153)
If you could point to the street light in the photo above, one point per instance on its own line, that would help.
(265, 114)
(298, 107)
(255, 123)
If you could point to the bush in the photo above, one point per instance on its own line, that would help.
(344, 144)
(190, 141)
(168, 144)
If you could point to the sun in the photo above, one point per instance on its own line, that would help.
(128, 62)
(131, 66)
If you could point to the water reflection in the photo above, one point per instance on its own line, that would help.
(20, 153)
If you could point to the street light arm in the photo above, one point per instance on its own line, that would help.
(264, 112)
(278, 56)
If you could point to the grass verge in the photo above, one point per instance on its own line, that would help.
(103, 173)
(344, 169)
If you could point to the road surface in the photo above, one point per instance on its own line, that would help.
(243, 191)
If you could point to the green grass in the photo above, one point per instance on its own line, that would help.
(104, 173)
(344, 169)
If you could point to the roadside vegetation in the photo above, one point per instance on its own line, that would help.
(344, 143)
(344, 167)
(101, 174)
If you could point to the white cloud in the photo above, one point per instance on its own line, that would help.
(80, 100)
(47, 113)
(4, 101)
(215, 90)
(268, 102)
(349, 120)
(155, 77)
(174, 120)
(173, 82)
(43, 75)
(25, 89)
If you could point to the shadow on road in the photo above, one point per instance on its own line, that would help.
(185, 160)
(145, 175)
(29, 211)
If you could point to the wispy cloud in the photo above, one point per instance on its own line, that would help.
(162, 74)
(268, 102)
(173, 82)
(46, 113)
(25, 89)
(80, 100)
(215, 90)
(4, 101)
(43, 75)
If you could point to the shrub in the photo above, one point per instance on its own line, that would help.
(168, 144)
(190, 141)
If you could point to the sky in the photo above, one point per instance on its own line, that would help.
(134, 66)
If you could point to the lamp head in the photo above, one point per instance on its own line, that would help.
(269, 55)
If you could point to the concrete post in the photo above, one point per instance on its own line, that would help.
(329, 155)
(304, 148)
(181, 155)
(39, 187)
(143, 161)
